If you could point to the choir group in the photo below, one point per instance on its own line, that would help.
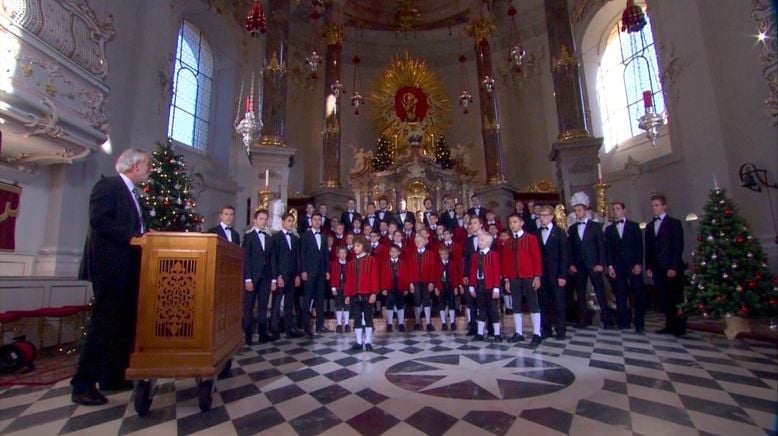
(377, 265)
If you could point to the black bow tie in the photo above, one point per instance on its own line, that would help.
(619, 222)
(316, 233)
(515, 236)
(657, 218)
(260, 232)
(546, 229)
(228, 228)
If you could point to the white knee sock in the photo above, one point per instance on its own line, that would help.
(338, 316)
(518, 320)
(358, 334)
(345, 313)
(467, 313)
(401, 317)
(535, 323)
(481, 326)
(452, 316)
(427, 314)
(389, 317)
(496, 326)
(369, 335)
(442, 317)
(417, 312)
(508, 301)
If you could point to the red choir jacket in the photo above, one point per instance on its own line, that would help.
(380, 252)
(455, 250)
(368, 277)
(497, 223)
(335, 274)
(409, 240)
(460, 235)
(492, 270)
(427, 262)
(454, 273)
(386, 275)
(521, 259)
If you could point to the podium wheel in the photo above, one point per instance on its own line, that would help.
(143, 397)
(226, 370)
(205, 395)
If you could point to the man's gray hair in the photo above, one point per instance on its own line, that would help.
(487, 237)
(129, 158)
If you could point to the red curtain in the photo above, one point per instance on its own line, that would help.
(9, 209)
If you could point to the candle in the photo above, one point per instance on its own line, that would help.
(715, 182)
(647, 99)
(599, 172)
(267, 178)
(248, 104)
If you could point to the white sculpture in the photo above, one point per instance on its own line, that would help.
(276, 211)
(461, 153)
(362, 160)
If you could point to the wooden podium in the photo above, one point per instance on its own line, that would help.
(189, 309)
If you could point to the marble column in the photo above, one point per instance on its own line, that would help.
(331, 192)
(575, 152)
(274, 75)
(497, 194)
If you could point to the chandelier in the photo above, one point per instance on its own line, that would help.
(651, 122)
(632, 19)
(517, 53)
(255, 21)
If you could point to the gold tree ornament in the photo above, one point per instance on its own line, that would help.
(408, 100)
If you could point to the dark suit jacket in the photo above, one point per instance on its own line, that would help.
(314, 261)
(426, 218)
(219, 230)
(481, 213)
(109, 261)
(623, 253)
(285, 261)
(529, 224)
(469, 250)
(302, 224)
(257, 264)
(590, 251)
(665, 250)
(554, 253)
(409, 216)
(384, 216)
(447, 221)
(375, 223)
(349, 223)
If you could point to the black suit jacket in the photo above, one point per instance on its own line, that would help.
(257, 262)
(314, 260)
(348, 223)
(590, 251)
(374, 222)
(303, 224)
(285, 261)
(219, 230)
(554, 252)
(626, 251)
(409, 216)
(109, 261)
(469, 250)
(384, 215)
(426, 218)
(446, 220)
(481, 213)
(665, 250)
(529, 223)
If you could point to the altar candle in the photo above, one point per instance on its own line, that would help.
(599, 172)
(248, 103)
(267, 178)
(647, 96)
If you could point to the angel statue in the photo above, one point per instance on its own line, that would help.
(362, 160)
(276, 211)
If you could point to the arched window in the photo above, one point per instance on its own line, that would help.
(192, 81)
(628, 67)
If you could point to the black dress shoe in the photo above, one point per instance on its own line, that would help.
(478, 338)
(347, 329)
(444, 327)
(679, 333)
(609, 327)
(664, 331)
(639, 330)
(497, 338)
(516, 338)
(389, 328)
(417, 327)
(471, 332)
(401, 328)
(430, 328)
(274, 337)
(356, 347)
(115, 386)
(545, 334)
(368, 347)
(536, 340)
(294, 334)
(560, 336)
(323, 329)
(89, 397)
(339, 329)
(453, 327)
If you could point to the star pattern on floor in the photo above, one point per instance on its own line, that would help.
(479, 376)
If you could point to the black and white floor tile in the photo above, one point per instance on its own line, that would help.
(594, 382)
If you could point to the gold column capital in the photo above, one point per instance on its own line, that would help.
(333, 33)
(481, 30)
(566, 60)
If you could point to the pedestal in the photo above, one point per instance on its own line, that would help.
(275, 159)
(576, 166)
(499, 198)
(335, 199)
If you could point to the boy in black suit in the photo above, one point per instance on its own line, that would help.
(304, 223)
(348, 216)
(314, 262)
(624, 255)
(587, 261)
(224, 229)
(477, 209)
(403, 215)
(664, 263)
(257, 273)
(553, 249)
(285, 263)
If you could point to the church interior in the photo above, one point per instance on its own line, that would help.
(278, 104)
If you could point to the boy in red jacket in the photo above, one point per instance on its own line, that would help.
(522, 269)
(421, 264)
(394, 284)
(361, 289)
(448, 277)
(484, 282)
(338, 268)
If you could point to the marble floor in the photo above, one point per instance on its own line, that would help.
(595, 382)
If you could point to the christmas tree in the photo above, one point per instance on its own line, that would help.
(167, 196)
(383, 154)
(443, 153)
(729, 275)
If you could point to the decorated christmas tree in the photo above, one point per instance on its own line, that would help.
(167, 195)
(729, 274)
(383, 154)
(443, 153)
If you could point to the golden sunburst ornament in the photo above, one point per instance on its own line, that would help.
(409, 104)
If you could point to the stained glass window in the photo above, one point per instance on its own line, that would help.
(192, 81)
(627, 68)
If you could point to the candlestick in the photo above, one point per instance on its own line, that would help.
(647, 99)
(267, 178)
